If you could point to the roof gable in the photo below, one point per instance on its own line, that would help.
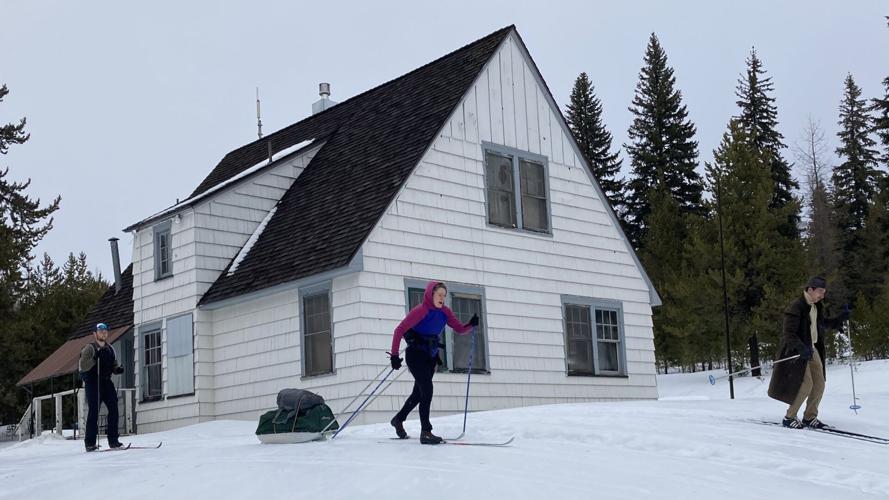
(372, 144)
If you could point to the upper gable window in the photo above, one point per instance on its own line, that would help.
(163, 251)
(517, 189)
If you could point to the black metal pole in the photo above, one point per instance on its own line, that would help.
(728, 341)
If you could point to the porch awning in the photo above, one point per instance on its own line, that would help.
(64, 360)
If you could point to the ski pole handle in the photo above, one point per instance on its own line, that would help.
(713, 379)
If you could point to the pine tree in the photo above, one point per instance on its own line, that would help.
(584, 116)
(881, 118)
(763, 267)
(881, 121)
(662, 144)
(54, 302)
(22, 225)
(21, 219)
(855, 183)
(759, 119)
(663, 258)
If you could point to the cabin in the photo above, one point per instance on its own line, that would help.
(292, 262)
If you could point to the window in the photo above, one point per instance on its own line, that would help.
(501, 190)
(152, 385)
(464, 305)
(163, 252)
(607, 339)
(180, 356)
(579, 342)
(589, 353)
(126, 354)
(464, 301)
(533, 185)
(516, 189)
(317, 338)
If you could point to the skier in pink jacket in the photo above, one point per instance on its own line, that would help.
(421, 329)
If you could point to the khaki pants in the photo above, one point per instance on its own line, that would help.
(812, 389)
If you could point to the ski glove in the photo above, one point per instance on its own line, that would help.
(474, 320)
(806, 353)
(396, 362)
(117, 370)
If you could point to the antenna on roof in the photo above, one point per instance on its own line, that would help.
(258, 118)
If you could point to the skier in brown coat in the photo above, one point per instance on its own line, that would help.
(802, 379)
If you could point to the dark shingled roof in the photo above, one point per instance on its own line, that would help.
(373, 142)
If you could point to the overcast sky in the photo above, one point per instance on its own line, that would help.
(131, 104)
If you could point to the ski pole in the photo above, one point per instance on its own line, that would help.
(854, 406)
(343, 412)
(361, 406)
(98, 394)
(361, 394)
(714, 379)
(468, 378)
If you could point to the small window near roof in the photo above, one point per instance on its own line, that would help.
(516, 189)
(163, 251)
(501, 190)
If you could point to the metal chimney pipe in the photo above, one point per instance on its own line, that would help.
(115, 259)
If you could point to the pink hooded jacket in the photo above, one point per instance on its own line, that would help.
(427, 320)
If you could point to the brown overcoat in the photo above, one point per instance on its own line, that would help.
(787, 377)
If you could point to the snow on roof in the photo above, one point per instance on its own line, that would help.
(264, 163)
(253, 237)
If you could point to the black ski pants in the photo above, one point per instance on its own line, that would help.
(105, 392)
(422, 366)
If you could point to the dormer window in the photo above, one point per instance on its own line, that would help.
(163, 251)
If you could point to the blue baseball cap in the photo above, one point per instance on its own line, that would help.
(101, 326)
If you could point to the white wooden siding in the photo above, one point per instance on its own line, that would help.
(437, 228)
(205, 240)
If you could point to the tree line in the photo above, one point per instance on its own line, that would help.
(745, 214)
(40, 303)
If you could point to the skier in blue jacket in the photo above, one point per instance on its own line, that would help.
(421, 328)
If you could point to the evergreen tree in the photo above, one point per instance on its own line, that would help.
(855, 183)
(21, 220)
(873, 252)
(22, 224)
(881, 120)
(663, 258)
(54, 302)
(759, 119)
(662, 144)
(584, 116)
(763, 267)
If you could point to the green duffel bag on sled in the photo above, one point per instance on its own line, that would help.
(295, 426)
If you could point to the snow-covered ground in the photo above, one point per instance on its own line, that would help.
(693, 443)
